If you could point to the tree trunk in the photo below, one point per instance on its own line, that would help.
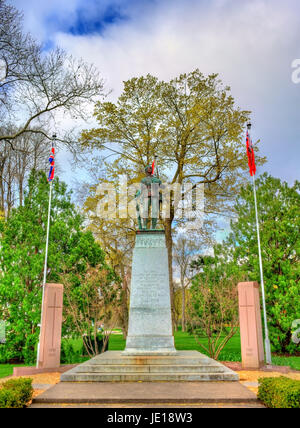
(2, 207)
(2, 195)
(183, 308)
(169, 244)
(21, 192)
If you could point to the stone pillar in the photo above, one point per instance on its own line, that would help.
(250, 325)
(150, 324)
(50, 338)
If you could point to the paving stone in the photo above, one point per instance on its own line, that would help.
(149, 393)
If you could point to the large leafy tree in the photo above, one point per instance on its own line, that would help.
(279, 219)
(191, 123)
(22, 250)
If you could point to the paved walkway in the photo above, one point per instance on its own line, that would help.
(147, 394)
(147, 406)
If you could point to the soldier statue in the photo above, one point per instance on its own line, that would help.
(148, 197)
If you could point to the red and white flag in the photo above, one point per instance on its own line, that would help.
(251, 157)
(52, 163)
(153, 166)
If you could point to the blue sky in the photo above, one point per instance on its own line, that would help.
(250, 43)
(88, 17)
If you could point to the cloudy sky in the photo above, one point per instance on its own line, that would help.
(252, 44)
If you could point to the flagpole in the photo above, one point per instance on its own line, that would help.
(47, 238)
(155, 166)
(267, 340)
(45, 264)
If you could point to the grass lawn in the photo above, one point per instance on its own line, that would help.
(183, 342)
(7, 369)
(231, 352)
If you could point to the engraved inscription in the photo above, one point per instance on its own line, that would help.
(249, 352)
(151, 297)
(150, 241)
(52, 352)
(149, 278)
(149, 282)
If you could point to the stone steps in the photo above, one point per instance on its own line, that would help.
(146, 360)
(113, 366)
(150, 377)
(135, 368)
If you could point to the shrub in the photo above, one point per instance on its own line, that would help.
(16, 393)
(3, 354)
(30, 350)
(69, 354)
(279, 393)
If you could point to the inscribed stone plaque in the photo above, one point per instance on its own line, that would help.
(250, 325)
(50, 338)
(150, 324)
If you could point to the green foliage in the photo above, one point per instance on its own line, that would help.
(279, 393)
(279, 219)
(22, 252)
(192, 115)
(16, 393)
(92, 300)
(213, 309)
(73, 353)
(70, 354)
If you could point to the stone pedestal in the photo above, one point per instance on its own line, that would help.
(150, 324)
(50, 338)
(250, 325)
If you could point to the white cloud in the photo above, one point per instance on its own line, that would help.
(36, 13)
(242, 43)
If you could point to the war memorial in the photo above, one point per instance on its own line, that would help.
(150, 354)
(150, 369)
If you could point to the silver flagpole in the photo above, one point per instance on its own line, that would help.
(45, 265)
(267, 340)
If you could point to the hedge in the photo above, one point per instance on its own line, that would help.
(16, 393)
(279, 393)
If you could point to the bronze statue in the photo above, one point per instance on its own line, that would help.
(148, 197)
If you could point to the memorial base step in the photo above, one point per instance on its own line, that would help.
(114, 366)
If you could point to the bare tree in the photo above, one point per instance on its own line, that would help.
(213, 313)
(34, 86)
(186, 248)
(30, 152)
(95, 303)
